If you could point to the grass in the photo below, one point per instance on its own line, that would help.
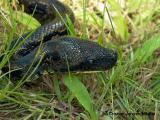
(132, 86)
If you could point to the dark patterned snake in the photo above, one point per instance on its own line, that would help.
(52, 48)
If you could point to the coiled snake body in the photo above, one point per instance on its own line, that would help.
(60, 52)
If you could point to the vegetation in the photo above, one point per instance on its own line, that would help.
(131, 90)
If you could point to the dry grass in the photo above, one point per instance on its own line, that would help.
(132, 86)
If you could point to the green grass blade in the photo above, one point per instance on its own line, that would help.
(81, 93)
(121, 27)
(143, 53)
(26, 19)
(22, 18)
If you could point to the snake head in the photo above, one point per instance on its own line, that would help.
(74, 54)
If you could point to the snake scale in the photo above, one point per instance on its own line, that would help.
(58, 51)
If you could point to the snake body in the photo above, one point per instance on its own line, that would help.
(58, 51)
(52, 14)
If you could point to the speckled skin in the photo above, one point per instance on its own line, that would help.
(67, 53)
(58, 52)
(52, 15)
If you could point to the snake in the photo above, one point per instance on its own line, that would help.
(51, 48)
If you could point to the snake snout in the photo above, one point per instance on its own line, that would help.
(110, 59)
(114, 56)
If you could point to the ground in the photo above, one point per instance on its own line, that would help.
(131, 90)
